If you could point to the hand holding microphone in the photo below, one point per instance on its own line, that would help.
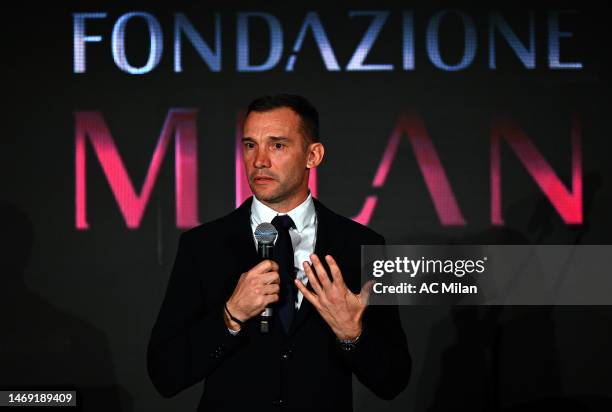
(256, 289)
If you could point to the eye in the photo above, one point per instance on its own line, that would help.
(279, 146)
(249, 145)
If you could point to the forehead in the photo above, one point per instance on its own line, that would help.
(277, 122)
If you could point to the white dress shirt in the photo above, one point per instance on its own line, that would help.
(303, 236)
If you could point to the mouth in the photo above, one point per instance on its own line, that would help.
(262, 179)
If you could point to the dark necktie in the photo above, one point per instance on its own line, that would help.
(283, 255)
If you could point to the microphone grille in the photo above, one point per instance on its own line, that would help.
(265, 233)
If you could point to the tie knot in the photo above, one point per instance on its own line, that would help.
(283, 222)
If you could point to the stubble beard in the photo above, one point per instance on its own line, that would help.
(282, 192)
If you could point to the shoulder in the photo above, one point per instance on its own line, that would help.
(214, 230)
(352, 230)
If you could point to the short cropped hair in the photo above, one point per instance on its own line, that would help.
(308, 114)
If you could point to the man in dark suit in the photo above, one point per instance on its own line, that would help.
(322, 332)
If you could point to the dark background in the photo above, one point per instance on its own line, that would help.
(77, 306)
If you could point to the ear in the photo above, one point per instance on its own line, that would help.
(316, 151)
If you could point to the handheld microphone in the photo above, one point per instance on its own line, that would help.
(265, 234)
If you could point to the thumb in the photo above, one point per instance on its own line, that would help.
(366, 291)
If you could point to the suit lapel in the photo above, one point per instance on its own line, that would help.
(242, 245)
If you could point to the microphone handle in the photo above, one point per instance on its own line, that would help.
(265, 320)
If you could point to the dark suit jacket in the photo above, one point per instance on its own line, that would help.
(303, 370)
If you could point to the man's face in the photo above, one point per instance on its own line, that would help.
(275, 156)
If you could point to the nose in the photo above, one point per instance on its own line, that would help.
(262, 159)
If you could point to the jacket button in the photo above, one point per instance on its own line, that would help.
(278, 402)
(286, 355)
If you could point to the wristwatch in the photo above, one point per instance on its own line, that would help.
(348, 344)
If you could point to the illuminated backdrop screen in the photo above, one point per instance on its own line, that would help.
(442, 123)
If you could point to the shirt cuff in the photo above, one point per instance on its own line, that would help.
(233, 332)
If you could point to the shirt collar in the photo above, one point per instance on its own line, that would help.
(302, 215)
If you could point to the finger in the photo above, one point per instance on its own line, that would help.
(270, 277)
(312, 298)
(366, 292)
(335, 270)
(271, 289)
(321, 272)
(266, 265)
(312, 278)
(271, 298)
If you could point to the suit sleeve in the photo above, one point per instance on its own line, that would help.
(381, 360)
(189, 339)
